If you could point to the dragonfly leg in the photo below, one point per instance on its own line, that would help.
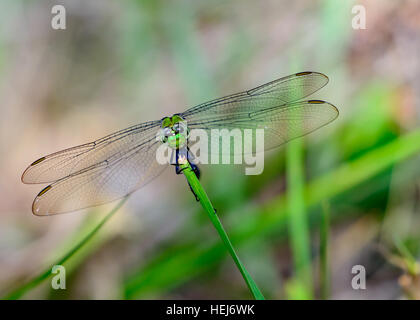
(178, 169)
(185, 152)
(194, 168)
(195, 195)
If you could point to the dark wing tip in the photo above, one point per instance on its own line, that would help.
(316, 101)
(37, 161)
(22, 178)
(337, 112)
(44, 190)
(305, 73)
(41, 193)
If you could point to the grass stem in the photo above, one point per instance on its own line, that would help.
(18, 292)
(211, 212)
(297, 220)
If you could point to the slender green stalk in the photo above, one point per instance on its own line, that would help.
(208, 207)
(156, 277)
(409, 259)
(18, 292)
(297, 220)
(323, 251)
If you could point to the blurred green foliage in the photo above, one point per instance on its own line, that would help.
(365, 164)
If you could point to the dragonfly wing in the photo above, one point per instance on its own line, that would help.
(69, 161)
(280, 124)
(292, 121)
(278, 92)
(103, 182)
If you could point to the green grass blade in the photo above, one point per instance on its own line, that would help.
(18, 292)
(297, 219)
(211, 212)
(271, 217)
(408, 258)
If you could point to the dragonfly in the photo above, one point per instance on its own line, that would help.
(120, 163)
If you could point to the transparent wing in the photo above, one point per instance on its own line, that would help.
(280, 124)
(118, 164)
(69, 161)
(272, 106)
(105, 181)
(278, 92)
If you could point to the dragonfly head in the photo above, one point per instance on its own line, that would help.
(174, 131)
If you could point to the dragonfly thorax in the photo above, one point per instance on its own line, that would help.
(174, 132)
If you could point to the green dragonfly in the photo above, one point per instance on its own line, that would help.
(116, 165)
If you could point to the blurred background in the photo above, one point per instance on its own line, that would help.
(347, 195)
